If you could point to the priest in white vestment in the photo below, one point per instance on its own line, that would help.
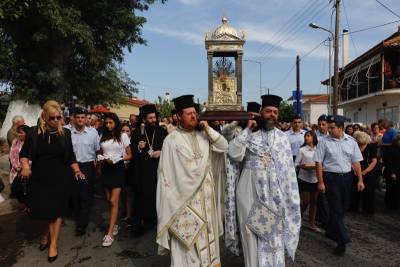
(267, 196)
(186, 202)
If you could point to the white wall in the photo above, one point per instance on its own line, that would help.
(367, 109)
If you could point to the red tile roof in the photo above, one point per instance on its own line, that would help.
(137, 102)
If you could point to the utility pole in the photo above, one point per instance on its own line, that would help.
(298, 85)
(336, 60)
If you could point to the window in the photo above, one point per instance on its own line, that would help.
(388, 113)
(355, 117)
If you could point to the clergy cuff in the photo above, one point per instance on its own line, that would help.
(212, 135)
(243, 135)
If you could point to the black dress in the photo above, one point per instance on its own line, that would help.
(143, 173)
(51, 181)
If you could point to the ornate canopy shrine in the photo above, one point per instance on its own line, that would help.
(224, 87)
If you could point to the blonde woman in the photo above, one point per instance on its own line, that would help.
(49, 148)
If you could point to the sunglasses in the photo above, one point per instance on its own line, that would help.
(53, 118)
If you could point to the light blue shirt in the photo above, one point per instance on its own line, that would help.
(321, 136)
(337, 155)
(296, 140)
(85, 144)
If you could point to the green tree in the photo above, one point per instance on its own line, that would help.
(164, 106)
(286, 111)
(59, 49)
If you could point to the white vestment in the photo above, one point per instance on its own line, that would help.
(185, 181)
(268, 177)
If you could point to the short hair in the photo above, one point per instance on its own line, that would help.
(17, 118)
(362, 137)
(296, 117)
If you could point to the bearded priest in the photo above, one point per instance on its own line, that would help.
(186, 204)
(268, 203)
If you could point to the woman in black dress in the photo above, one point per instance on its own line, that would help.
(368, 167)
(49, 148)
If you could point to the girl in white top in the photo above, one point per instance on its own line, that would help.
(115, 149)
(307, 177)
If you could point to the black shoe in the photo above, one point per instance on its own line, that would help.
(340, 249)
(44, 246)
(80, 231)
(52, 259)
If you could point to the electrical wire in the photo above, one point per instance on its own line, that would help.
(301, 28)
(388, 9)
(292, 21)
(294, 65)
(374, 27)
(348, 26)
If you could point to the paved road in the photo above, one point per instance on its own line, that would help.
(376, 242)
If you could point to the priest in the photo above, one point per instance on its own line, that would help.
(233, 169)
(146, 144)
(268, 203)
(186, 202)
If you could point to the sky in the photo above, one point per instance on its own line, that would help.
(175, 58)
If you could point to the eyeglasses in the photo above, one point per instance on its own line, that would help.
(53, 118)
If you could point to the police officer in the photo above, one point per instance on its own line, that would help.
(336, 155)
(86, 144)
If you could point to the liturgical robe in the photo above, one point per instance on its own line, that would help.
(268, 178)
(185, 180)
(144, 170)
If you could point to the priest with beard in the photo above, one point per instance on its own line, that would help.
(146, 144)
(268, 203)
(188, 226)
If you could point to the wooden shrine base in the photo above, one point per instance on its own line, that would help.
(225, 115)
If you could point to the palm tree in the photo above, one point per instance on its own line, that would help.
(223, 67)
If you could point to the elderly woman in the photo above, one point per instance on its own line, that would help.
(49, 148)
(367, 197)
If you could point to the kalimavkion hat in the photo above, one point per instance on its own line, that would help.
(197, 107)
(147, 109)
(182, 102)
(253, 107)
(271, 101)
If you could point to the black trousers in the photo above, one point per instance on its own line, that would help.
(322, 215)
(82, 194)
(366, 197)
(338, 187)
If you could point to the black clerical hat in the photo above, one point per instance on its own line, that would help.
(253, 107)
(271, 100)
(182, 102)
(147, 109)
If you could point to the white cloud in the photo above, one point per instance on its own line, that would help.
(189, 2)
(185, 36)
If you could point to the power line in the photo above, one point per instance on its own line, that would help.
(294, 65)
(293, 30)
(348, 26)
(301, 28)
(285, 28)
(387, 8)
(374, 27)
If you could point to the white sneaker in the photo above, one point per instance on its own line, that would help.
(107, 241)
(115, 230)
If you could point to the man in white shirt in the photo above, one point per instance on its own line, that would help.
(296, 136)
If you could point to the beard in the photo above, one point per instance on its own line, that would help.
(267, 124)
(151, 126)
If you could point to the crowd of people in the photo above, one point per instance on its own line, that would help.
(251, 181)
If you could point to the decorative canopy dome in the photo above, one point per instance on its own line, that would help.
(224, 29)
